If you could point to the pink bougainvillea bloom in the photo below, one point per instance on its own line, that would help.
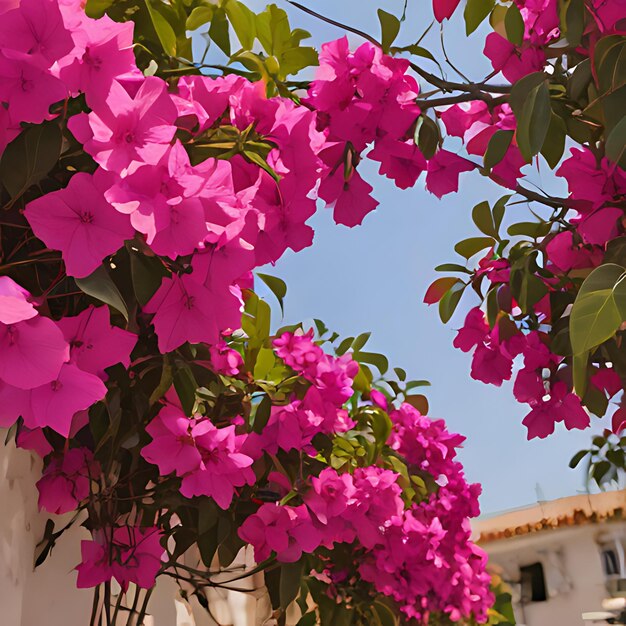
(591, 184)
(94, 343)
(14, 304)
(66, 481)
(149, 194)
(187, 311)
(560, 405)
(565, 255)
(225, 360)
(54, 404)
(444, 8)
(36, 28)
(514, 62)
(173, 447)
(607, 380)
(80, 223)
(27, 89)
(490, 365)
(223, 466)
(103, 52)
(474, 331)
(443, 172)
(401, 161)
(600, 226)
(529, 386)
(618, 421)
(33, 352)
(127, 130)
(287, 531)
(34, 440)
(132, 554)
(351, 200)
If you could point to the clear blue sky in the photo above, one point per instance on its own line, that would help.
(373, 278)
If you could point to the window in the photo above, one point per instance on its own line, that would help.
(610, 562)
(533, 583)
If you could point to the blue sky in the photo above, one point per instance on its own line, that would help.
(373, 278)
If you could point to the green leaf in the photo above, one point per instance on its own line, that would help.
(575, 22)
(147, 273)
(554, 143)
(29, 157)
(383, 614)
(427, 136)
(262, 414)
(360, 341)
(243, 21)
(389, 27)
(498, 210)
(400, 373)
(185, 385)
(475, 12)
(419, 402)
(448, 304)
(97, 8)
(615, 148)
(534, 121)
(577, 458)
(309, 619)
(277, 286)
(579, 373)
(219, 31)
(521, 90)
(529, 229)
(163, 29)
(290, 578)
(452, 267)
(481, 216)
(200, 16)
(344, 346)
(439, 288)
(514, 25)
(599, 308)
(498, 145)
(469, 247)
(373, 358)
(100, 285)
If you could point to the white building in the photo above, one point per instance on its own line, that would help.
(563, 558)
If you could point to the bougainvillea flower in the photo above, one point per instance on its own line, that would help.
(443, 172)
(187, 311)
(223, 466)
(444, 8)
(14, 304)
(400, 161)
(473, 332)
(131, 554)
(287, 531)
(27, 88)
(36, 27)
(33, 352)
(94, 343)
(560, 405)
(54, 404)
(173, 448)
(103, 52)
(66, 481)
(127, 131)
(80, 223)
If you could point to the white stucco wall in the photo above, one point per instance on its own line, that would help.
(47, 596)
(572, 568)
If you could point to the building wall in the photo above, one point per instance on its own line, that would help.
(47, 596)
(572, 566)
